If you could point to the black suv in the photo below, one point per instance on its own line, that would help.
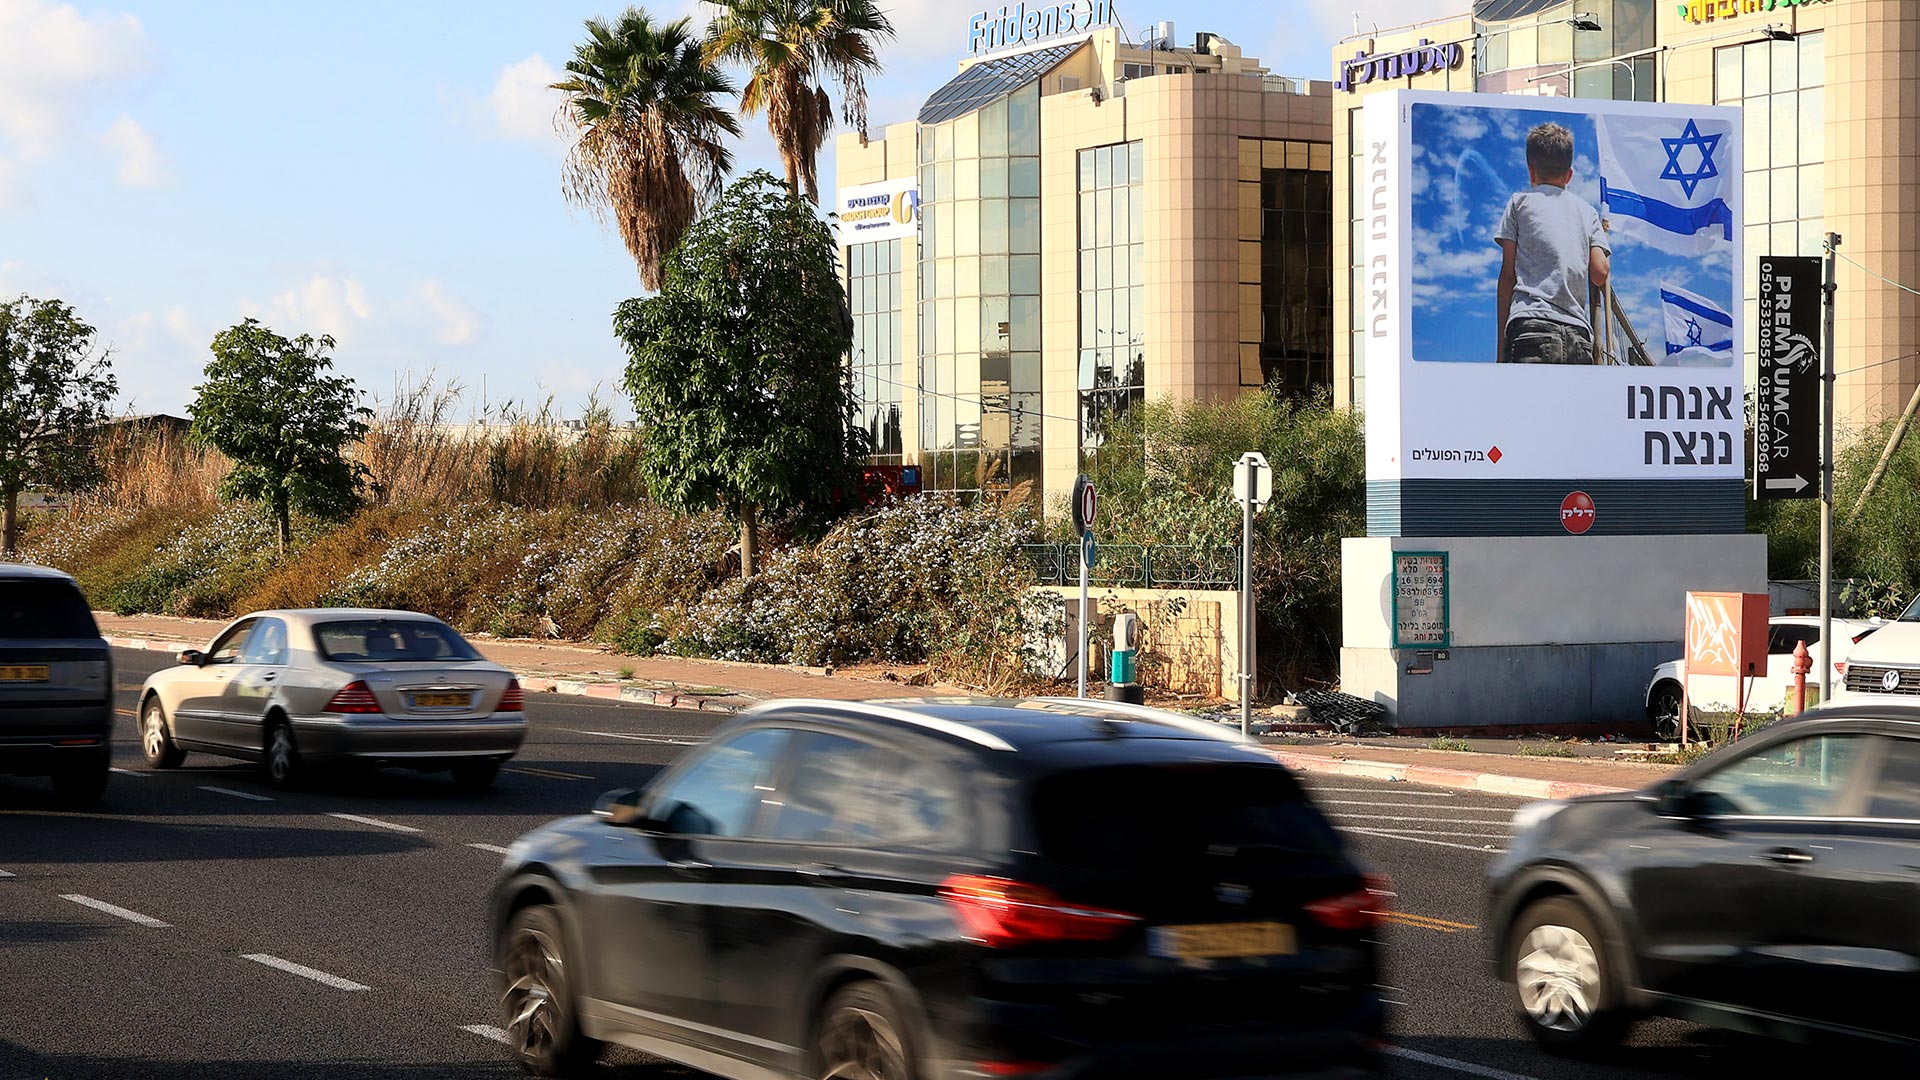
(56, 684)
(1773, 887)
(938, 890)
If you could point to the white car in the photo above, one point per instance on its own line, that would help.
(1763, 692)
(1886, 666)
(298, 689)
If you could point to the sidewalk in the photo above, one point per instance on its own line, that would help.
(586, 670)
(1496, 773)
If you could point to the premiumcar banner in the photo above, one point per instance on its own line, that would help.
(888, 210)
(1551, 294)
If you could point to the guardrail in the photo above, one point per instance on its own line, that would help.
(1138, 566)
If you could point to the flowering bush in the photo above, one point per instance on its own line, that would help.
(205, 568)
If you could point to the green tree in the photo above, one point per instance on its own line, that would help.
(648, 150)
(792, 49)
(54, 390)
(737, 368)
(270, 405)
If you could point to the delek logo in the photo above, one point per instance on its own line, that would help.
(1576, 512)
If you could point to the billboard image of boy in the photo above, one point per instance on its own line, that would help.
(1554, 255)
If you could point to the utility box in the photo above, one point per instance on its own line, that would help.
(1727, 633)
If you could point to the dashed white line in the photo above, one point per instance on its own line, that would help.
(1481, 848)
(375, 822)
(1443, 832)
(304, 971)
(495, 848)
(235, 794)
(486, 1031)
(1426, 820)
(6, 873)
(115, 910)
(1422, 806)
(658, 739)
(1382, 791)
(131, 772)
(1466, 1067)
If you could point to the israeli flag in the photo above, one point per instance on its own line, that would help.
(1666, 181)
(1699, 334)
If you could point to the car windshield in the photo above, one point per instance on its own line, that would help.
(36, 608)
(386, 641)
(1912, 614)
(1099, 818)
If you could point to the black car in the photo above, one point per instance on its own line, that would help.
(1773, 887)
(56, 684)
(943, 890)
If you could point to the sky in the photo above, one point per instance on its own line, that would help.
(1467, 163)
(386, 173)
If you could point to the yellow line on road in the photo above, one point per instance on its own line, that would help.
(124, 712)
(1425, 922)
(551, 773)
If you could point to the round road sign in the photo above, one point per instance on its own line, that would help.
(1086, 504)
(1576, 512)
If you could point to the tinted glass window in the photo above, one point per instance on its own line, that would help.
(917, 802)
(1172, 817)
(268, 645)
(1897, 795)
(828, 797)
(43, 608)
(1804, 778)
(719, 793)
(226, 648)
(387, 641)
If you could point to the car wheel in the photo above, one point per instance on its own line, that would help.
(861, 1037)
(81, 785)
(154, 739)
(1563, 982)
(1663, 709)
(284, 767)
(474, 777)
(543, 1028)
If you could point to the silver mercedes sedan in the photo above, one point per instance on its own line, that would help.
(301, 689)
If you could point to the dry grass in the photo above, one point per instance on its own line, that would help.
(154, 468)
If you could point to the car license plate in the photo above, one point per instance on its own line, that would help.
(25, 673)
(1222, 941)
(442, 701)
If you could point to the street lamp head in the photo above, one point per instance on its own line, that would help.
(1585, 21)
(1777, 32)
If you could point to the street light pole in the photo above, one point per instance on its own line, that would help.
(1827, 387)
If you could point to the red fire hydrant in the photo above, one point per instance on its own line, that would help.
(1802, 663)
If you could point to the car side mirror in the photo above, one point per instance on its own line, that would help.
(621, 806)
(1673, 797)
(192, 657)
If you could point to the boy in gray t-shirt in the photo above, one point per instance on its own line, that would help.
(1554, 256)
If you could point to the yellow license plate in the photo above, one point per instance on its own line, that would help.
(442, 701)
(25, 673)
(1222, 941)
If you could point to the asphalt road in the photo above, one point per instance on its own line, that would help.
(200, 924)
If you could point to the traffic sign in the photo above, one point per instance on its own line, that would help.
(1089, 551)
(1786, 413)
(1086, 503)
(1252, 468)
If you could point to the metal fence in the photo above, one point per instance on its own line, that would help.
(1139, 566)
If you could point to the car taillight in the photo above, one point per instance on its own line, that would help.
(513, 700)
(998, 913)
(355, 697)
(1360, 909)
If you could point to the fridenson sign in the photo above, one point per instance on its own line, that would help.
(1024, 24)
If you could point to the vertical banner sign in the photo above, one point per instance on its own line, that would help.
(1786, 419)
(1420, 602)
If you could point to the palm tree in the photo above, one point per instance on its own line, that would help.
(641, 101)
(792, 49)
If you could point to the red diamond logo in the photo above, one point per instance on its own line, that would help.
(1494, 455)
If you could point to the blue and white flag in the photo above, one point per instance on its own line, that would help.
(1667, 181)
(1699, 333)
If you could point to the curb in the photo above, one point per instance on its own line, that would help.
(532, 684)
(1434, 776)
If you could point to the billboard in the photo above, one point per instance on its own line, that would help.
(1550, 291)
(888, 210)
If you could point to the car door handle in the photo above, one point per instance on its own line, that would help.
(692, 867)
(823, 872)
(1789, 856)
(268, 676)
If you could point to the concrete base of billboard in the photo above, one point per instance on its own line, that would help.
(1545, 632)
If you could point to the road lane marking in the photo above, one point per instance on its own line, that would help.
(130, 772)
(1484, 850)
(649, 737)
(1422, 806)
(1425, 922)
(495, 848)
(236, 794)
(1426, 820)
(304, 971)
(554, 774)
(1442, 832)
(1452, 1065)
(375, 822)
(6, 873)
(486, 1031)
(115, 910)
(1390, 790)
(124, 712)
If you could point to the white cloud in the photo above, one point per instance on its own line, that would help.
(522, 103)
(56, 65)
(455, 323)
(323, 304)
(140, 163)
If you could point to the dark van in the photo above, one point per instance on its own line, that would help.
(56, 684)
